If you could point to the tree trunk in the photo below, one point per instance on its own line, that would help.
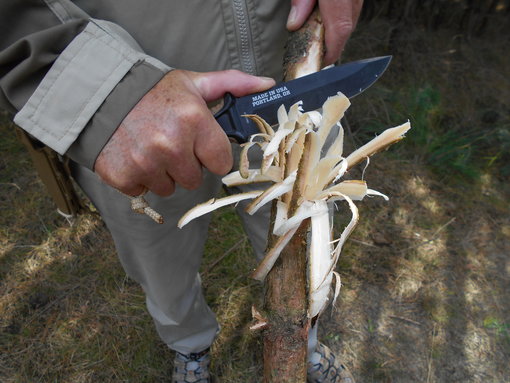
(286, 297)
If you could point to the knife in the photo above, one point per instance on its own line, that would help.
(351, 79)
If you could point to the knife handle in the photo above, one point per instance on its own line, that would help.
(229, 119)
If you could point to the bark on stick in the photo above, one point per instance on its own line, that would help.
(286, 301)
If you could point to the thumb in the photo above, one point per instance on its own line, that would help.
(299, 12)
(214, 85)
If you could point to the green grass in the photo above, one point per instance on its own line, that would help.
(501, 328)
(449, 147)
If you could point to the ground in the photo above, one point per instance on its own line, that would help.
(426, 275)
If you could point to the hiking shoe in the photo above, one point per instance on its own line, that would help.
(192, 368)
(324, 367)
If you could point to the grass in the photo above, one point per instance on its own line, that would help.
(425, 276)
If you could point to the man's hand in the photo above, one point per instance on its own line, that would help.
(339, 17)
(171, 134)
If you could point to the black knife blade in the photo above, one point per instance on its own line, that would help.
(351, 79)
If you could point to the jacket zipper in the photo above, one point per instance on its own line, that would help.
(244, 36)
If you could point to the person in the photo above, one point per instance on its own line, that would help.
(122, 90)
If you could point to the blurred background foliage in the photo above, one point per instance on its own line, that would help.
(471, 17)
(449, 76)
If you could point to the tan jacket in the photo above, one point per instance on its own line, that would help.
(71, 71)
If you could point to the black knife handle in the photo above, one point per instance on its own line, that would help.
(229, 119)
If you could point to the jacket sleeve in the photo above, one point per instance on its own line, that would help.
(69, 79)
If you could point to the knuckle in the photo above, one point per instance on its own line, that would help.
(160, 143)
(144, 163)
(343, 27)
(190, 114)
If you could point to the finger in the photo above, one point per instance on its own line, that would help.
(213, 149)
(117, 176)
(357, 6)
(162, 186)
(201, 143)
(338, 21)
(132, 190)
(125, 186)
(299, 12)
(187, 172)
(171, 160)
(213, 85)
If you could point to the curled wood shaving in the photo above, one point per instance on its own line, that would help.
(301, 168)
(214, 204)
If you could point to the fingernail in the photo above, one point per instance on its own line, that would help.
(292, 17)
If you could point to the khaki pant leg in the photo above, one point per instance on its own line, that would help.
(164, 259)
(256, 226)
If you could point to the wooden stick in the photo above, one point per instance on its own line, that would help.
(286, 295)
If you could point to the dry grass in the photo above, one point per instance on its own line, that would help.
(425, 277)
